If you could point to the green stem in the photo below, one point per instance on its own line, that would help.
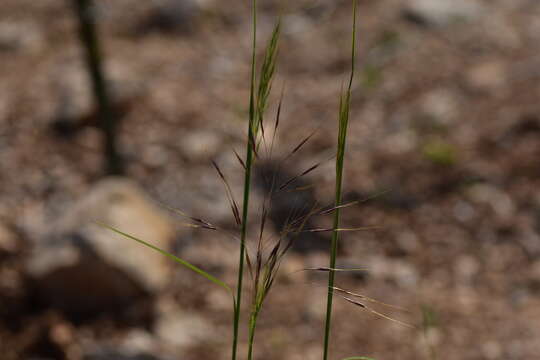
(247, 187)
(333, 254)
(252, 326)
(342, 137)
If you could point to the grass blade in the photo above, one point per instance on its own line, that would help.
(175, 258)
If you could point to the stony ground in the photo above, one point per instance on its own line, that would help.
(446, 124)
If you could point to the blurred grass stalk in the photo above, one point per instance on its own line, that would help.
(343, 118)
(89, 39)
(247, 183)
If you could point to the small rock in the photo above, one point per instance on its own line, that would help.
(8, 242)
(440, 105)
(155, 156)
(442, 12)
(535, 271)
(408, 241)
(403, 273)
(464, 212)
(297, 24)
(137, 344)
(139, 340)
(15, 36)
(500, 202)
(488, 76)
(182, 330)
(492, 350)
(81, 267)
(465, 268)
(200, 145)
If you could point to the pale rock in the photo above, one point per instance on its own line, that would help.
(201, 145)
(466, 267)
(155, 156)
(408, 241)
(400, 271)
(136, 344)
(79, 263)
(181, 329)
(400, 142)
(440, 105)
(16, 36)
(535, 270)
(492, 350)
(138, 340)
(487, 76)
(463, 211)
(443, 12)
(297, 25)
(500, 202)
(110, 353)
(8, 242)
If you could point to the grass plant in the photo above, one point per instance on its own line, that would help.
(258, 102)
(264, 257)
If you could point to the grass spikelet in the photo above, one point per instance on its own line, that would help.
(240, 160)
(363, 297)
(266, 77)
(300, 145)
(200, 223)
(230, 195)
(376, 313)
(341, 229)
(293, 179)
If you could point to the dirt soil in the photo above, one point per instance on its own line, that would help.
(445, 128)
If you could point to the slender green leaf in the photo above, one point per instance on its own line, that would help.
(175, 258)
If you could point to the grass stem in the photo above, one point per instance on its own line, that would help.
(252, 326)
(344, 108)
(247, 185)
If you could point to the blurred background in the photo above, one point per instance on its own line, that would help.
(445, 130)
